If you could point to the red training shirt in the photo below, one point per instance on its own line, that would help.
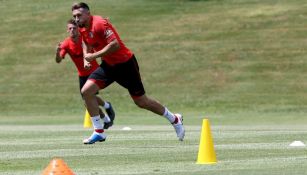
(99, 34)
(75, 52)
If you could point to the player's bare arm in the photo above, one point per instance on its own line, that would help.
(113, 46)
(58, 58)
(85, 48)
(87, 65)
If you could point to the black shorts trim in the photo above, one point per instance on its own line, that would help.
(82, 81)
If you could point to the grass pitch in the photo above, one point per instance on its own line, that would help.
(153, 149)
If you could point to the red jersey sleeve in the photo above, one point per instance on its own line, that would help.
(106, 31)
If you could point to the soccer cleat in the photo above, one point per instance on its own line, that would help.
(179, 127)
(95, 137)
(111, 114)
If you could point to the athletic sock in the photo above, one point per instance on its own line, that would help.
(170, 116)
(106, 105)
(97, 125)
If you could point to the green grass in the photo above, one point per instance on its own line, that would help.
(153, 150)
(242, 64)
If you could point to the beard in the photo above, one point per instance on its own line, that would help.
(81, 25)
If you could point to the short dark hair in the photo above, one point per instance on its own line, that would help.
(72, 21)
(79, 5)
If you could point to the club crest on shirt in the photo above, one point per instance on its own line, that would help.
(108, 33)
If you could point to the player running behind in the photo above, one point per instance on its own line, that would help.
(119, 64)
(73, 46)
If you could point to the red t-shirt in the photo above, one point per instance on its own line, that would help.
(75, 52)
(101, 33)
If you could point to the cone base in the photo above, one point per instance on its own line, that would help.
(207, 163)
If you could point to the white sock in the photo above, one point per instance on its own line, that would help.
(106, 105)
(96, 122)
(106, 118)
(170, 116)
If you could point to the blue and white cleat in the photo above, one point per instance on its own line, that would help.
(95, 137)
(179, 128)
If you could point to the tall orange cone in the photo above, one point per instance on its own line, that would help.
(57, 167)
(87, 120)
(206, 153)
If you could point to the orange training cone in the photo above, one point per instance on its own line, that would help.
(87, 120)
(57, 167)
(206, 153)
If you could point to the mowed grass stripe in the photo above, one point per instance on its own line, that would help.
(151, 150)
(105, 149)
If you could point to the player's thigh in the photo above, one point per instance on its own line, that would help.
(130, 78)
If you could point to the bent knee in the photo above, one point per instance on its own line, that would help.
(89, 89)
(85, 92)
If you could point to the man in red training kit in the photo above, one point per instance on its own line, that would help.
(119, 64)
(73, 46)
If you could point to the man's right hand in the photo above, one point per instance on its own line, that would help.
(58, 58)
(58, 48)
(87, 65)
